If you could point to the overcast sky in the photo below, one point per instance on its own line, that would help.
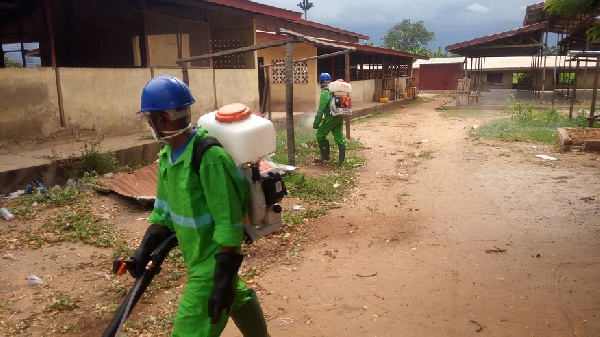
(452, 21)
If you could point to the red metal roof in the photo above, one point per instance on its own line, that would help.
(281, 13)
(491, 45)
(255, 7)
(490, 38)
(359, 47)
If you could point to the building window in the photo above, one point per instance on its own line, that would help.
(565, 78)
(495, 78)
(300, 72)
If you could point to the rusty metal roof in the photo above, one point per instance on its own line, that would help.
(141, 184)
(524, 41)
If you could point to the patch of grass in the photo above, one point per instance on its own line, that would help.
(293, 219)
(419, 100)
(24, 208)
(62, 302)
(326, 188)
(468, 113)
(526, 124)
(91, 161)
(76, 222)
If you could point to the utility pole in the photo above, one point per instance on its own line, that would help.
(305, 6)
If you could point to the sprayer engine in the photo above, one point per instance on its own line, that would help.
(264, 212)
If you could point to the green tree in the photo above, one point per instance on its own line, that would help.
(407, 36)
(11, 64)
(574, 7)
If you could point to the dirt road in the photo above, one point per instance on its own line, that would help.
(448, 236)
(443, 236)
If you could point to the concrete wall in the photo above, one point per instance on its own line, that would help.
(363, 91)
(306, 95)
(28, 103)
(104, 100)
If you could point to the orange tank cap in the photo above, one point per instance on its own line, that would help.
(232, 113)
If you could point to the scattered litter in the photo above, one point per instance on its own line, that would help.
(35, 203)
(106, 216)
(423, 141)
(109, 175)
(140, 219)
(496, 250)
(8, 216)
(304, 145)
(545, 157)
(336, 185)
(538, 256)
(370, 275)
(15, 195)
(534, 147)
(285, 321)
(474, 127)
(34, 280)
(9, 257)
(296, 207)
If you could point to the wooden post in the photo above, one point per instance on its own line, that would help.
(142, 34)
(347, 119)
(574, 96)
(2, 64)
(594, 92)
(289, 102)
(48, 17)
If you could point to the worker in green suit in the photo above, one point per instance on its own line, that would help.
(205, 209)
(325, 123)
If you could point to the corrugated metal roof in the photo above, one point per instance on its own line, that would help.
(439, 60)
(502, 63)
(141, 184)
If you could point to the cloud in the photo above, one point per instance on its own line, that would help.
(475, 7)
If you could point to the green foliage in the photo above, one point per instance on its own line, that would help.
(420, 50)
(54, 197)
(571, 6)
(62, 302)
(12, 64)
(321, 188)
(77, 224)
(525, 124)
(576, 7)
(407, 36)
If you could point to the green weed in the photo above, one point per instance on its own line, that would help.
(321, 188)
(526, 124)
(62, 302)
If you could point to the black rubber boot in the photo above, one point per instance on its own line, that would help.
(250, 319)
(324, 149)
(342, 150)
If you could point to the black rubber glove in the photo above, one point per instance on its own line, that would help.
(222, 294)
(155, 235)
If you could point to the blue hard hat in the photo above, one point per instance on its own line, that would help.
(165, 92)
(324, 77)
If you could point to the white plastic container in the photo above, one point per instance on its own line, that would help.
(340, 86)
(247, 137)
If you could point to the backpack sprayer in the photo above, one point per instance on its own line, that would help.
(341, 103)
(248, 137)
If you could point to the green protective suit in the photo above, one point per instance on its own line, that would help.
(206, 211)
(325, 123)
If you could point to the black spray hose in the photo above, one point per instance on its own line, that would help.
(140, 285)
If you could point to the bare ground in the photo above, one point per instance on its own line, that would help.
(443, 235)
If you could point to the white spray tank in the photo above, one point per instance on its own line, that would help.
(341, 103)
(248, 137)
